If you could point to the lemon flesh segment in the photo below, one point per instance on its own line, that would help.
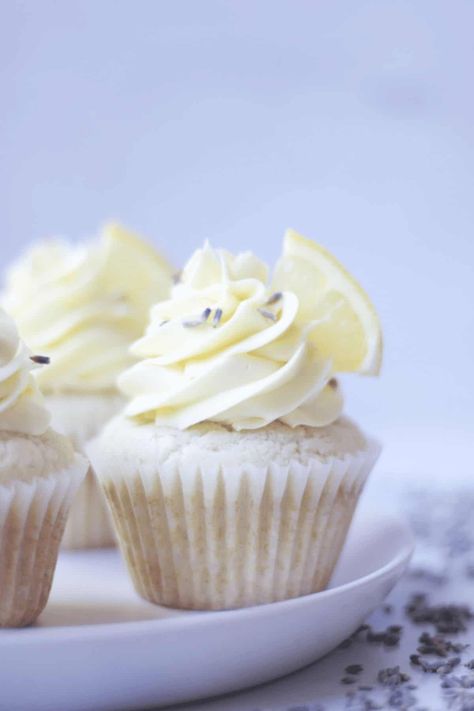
(347, 329)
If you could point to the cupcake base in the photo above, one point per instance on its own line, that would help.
(32, 520)
(202, 531)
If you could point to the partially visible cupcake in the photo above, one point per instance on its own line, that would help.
(82, 305)
(231, 475)
(39, 475)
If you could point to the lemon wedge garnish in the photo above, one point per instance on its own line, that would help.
(347, 329)
(135, 267)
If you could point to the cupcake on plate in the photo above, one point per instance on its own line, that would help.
(231, 475)
(39, 475)
(83, 305)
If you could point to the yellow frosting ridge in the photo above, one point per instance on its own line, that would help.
(227, 348)
(22, 408)
(83, 304)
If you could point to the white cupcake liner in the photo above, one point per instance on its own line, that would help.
(32, 519)
(218, 539)
(81, 416)
(89, 523)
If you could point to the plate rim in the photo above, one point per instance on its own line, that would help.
(66, 633)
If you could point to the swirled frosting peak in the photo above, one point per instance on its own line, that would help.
(21, 403)
(226, 348)
(82, 305)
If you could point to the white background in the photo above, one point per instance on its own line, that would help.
(351, 121)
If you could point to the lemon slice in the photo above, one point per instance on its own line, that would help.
(135, 268)
(347, 328)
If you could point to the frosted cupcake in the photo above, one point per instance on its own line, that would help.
(39, 475)
(82, 305)
(232, 476)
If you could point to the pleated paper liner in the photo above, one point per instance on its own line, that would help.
(219, 539)
(32, 520)
(82, 416)
(89, 524)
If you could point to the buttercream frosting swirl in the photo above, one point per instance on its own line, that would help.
(22, 407)
(225, 348)
(83, 304)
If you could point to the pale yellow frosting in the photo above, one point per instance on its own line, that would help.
(22, 408)
(82, 305)
(224, 348)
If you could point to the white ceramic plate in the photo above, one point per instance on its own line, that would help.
(99, 647)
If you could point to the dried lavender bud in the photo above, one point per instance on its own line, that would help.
(448, 619)
(267, 314)
(165, 321)
(449, 665)
(217, 318)
(348, 680)
(354, 669)
(470, 664)
(429, 667)
(192, 323)
(435, 667)
(389, 637)
(440, 646)
(391, 640)
(41, 359)
(274, 298)
(392, 676)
